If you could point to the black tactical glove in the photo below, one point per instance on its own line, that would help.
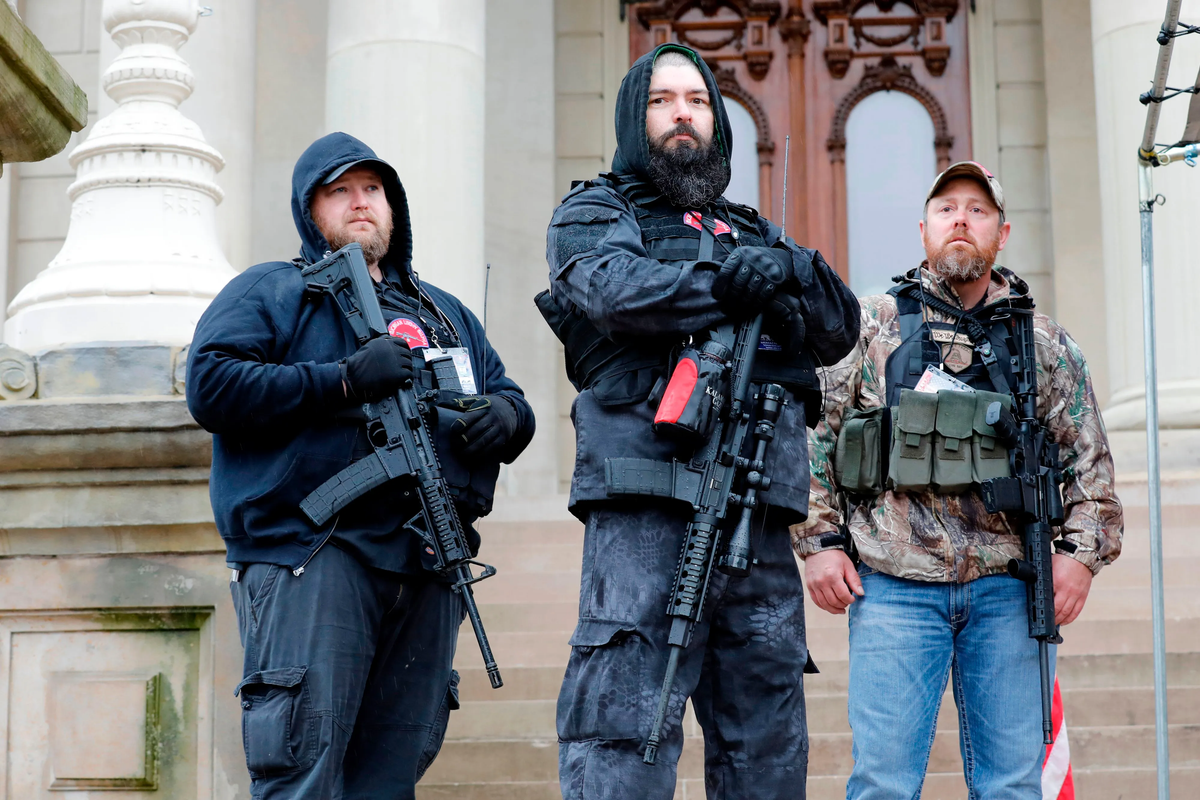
(486, 427)
(379, 368)
(783, 321)
(749, 278)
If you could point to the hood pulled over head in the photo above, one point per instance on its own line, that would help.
(632, 158)
(337, 152)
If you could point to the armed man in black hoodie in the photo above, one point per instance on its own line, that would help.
(647, 256)
(347, 683)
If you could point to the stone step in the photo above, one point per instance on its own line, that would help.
(525, 618)
(521, 649)
(1128, 670)
(515, 587)
(1099, 784)
(520, 683)
(497, 790)
(1106, 602)
(551, 555)
(1134, 571)
(1077, 673)
(516, 534)
(938, 786)
(1133, 783)
(502, 718)
(515, 760)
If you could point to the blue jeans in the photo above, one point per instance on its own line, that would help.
(906, 638)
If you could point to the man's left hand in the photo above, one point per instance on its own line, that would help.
(1072, 581)
(488, 423)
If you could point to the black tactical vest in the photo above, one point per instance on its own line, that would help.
(918, 350)
(626, 372)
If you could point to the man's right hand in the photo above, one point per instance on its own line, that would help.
(377, 369)
(749, 278)
(832, 580)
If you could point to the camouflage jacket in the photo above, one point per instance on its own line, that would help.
(951, 538)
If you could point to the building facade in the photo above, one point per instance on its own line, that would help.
(488, 111)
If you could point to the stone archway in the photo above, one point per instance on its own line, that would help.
(888, 76)
(727, 82)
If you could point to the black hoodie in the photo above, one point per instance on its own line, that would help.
(263, 378)
(599, 262)
(632, 159)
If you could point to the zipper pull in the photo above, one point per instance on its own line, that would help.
(298, 571)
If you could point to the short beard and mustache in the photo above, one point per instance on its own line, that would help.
(374, 244)
(963, 262)
(689, 176)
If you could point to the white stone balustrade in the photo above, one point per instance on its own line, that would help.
(141, 260)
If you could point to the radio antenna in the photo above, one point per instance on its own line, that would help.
(487, 279)
(787, 147)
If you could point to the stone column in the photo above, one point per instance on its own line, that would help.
(141, 260)
(1125, 50)
(407, 77)
(520, 199)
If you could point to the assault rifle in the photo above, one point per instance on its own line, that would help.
(403, 448)
(1033, 498)
(709, 483)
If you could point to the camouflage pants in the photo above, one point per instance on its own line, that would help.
(744, 668)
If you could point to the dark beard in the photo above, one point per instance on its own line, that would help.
(689, 177)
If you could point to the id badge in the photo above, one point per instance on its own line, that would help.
(935, 380)
(451, 365)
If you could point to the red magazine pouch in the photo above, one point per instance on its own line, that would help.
(693, 399)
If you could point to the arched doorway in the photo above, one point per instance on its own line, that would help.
(890, 164)
(743, 183)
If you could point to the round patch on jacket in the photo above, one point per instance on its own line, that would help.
(408, 330)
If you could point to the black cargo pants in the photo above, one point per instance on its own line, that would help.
(744, 669)
(347, 683)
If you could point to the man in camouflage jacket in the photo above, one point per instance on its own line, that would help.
(930, 598)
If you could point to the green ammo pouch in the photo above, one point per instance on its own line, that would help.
(910, 467)
(990, 457)
(859, 464)
(952, 445)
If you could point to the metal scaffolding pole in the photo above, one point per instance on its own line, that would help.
(1147, 160)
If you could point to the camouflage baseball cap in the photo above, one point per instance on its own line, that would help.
(974, 170)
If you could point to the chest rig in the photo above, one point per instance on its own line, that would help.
(925, 343)
(938, 440)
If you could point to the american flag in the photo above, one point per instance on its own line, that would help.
(1057, 783)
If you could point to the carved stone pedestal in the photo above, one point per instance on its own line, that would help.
(119, 649)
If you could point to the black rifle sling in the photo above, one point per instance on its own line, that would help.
(974, 330)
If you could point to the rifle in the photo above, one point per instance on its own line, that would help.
(707, 482)
(397, 430)
(1033, 498)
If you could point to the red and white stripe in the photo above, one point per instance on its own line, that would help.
(1057, 783)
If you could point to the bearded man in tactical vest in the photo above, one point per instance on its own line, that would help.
(930, 598)
(641, 260)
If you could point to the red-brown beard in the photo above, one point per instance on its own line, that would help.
(374, 243)
(963, 261)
